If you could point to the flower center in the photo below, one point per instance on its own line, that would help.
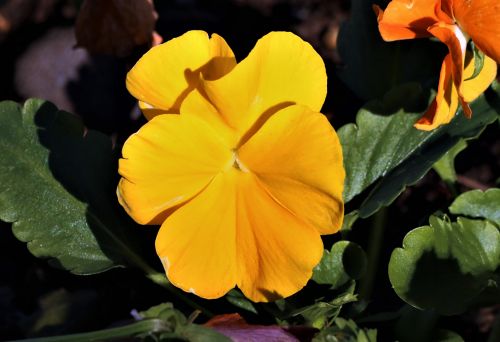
(236, 162)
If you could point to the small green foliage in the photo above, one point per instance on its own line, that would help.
(346, 331)
(176, 326)
(345, 261)
(477, 203)
(445, 265)
(322, 313)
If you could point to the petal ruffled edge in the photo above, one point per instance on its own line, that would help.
(406, 19)
(281, 69)
(165, 75)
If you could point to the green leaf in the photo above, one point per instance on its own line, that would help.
(477, 203)
(372, 66)
(445, 166)
(445, 265)
(478, 56)
(322, 313)
(389, 151)
(345, 331)
(176, 326)
(57, 185)
(236, 298)
(443, 335)
(344, 262)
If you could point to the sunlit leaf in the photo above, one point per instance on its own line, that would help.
(383, 147)
(477, 203)
(57, 186)
(445, 265)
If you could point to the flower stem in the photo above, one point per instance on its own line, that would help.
(374, 248)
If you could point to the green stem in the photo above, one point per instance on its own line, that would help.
(147, 326)
(374, 248)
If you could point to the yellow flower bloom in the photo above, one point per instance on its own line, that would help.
(247, 177)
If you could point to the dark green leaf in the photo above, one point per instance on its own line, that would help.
(57, 184)
(388, 149)
(478, 56)
(236, 298)
(344, 262)
(372, 66)
(447, 336)
(321, 313)
(198, 333)
(477, 203)
(445, 265)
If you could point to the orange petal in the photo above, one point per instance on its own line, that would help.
(481, 20)
(280, 70)
(456, 42)
(298, 158)
(472, 88)
(165, 75)
(276, 251)
(445, 105)
(406, 19)
(167, 162)
(197, 243)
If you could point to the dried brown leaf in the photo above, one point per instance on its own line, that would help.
(115, 27)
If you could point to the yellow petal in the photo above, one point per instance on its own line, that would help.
(167, 162)
(445, 105)
(280, 70)
(197, 243)
(276, 251)
(472, 88)
(197, 105)
(297, 156)
(165, 75)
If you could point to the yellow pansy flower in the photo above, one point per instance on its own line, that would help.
(236, 163)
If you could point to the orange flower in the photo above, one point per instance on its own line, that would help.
(453, 22)
(236, 163)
